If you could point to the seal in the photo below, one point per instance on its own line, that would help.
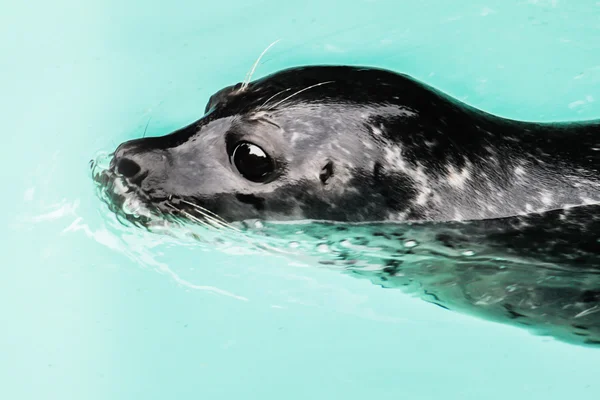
(481, 214)
(358, 144)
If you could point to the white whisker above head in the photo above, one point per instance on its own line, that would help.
(298, 92)
(251, 72)
(272, 97)
(146, 128)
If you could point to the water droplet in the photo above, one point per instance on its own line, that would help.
(468, 253)
(410, 243)
(323, 248)
(131, 206)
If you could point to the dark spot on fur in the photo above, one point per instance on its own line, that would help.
(257, 202)
(396, 188)
(377, 169)
(326, 172)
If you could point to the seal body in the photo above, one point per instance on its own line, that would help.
(359, 144)
(504, 215)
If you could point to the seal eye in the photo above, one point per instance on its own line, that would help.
(252, 162)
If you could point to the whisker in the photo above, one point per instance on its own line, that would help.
(188, 215)
(193, 218)
(205, 211)
(300, 91)
(272, 97)
(172, 207)
(249, 75)
(211, 217)
(146, 128)
(214, 223)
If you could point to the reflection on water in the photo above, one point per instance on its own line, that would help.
(540, 271)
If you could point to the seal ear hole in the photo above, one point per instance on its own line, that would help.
(326, 172)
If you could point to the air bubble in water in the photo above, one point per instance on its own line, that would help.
(468, 253)
(131, 206)
(258, 225)
(323, 248)
(410, 244)
(101, 161)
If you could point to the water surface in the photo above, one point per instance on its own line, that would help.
(89, 311)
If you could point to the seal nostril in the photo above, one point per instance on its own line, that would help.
(128, 168)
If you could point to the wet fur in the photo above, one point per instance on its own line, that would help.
(362, 145)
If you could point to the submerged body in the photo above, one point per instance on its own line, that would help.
(362, 145)
(540, 271)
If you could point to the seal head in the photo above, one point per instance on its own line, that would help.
(356, 144)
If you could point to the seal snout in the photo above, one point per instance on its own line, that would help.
(129, 162)
(135, 160)
(128, 168)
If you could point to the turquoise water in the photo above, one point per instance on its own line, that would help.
(91, 313)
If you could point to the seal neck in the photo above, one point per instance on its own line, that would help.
(572, 148)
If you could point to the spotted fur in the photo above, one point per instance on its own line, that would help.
(363, 145)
